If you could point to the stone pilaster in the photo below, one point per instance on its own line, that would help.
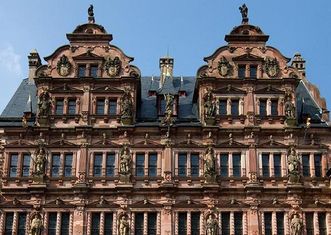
(79, 223)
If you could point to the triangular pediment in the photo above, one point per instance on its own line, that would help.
(20, 143)
(58, 203)
(229, 90)
(14, 204)
(148, 143)
(189, 203)
(272, 143)
(66, 88)
(231, 144)
(189, 144)
(102, 203)
(88, 56)
(107, 143)
(63, 143)
(108, 89)
(269, 90)
(247, 57)
(145, 204)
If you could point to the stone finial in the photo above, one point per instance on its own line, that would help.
(90, 12)
(34, 63)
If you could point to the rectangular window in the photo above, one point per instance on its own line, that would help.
(56, 163)
(26, 165)
(81, 70)
(95, 226)
(277, 165)
(265, 165)
(94, 71)
(59, 107)
(68, 165)
(222, 107)
(306, 165)
(195, 223)
(309, 223)
(65, 223)
(13, 165)
(238, 223)
(152, 164)
(274, 107)
(242, 71)
(52, 223)
(71, 107)
(318, 164)
(235, 107)
(236, 158)
(151, 224)
(112, 107)
(108, 227)
(182, 164)
(280, 223)
(182, 223)
(322, 223)
(263, 108)
(253, 71)
(21, 223)
(97, 165)
(9, 223)
(139, 224)
(195, 164)
(110, 164)
(100, 108)
(140, 164)
(267, 223)
(224, 161)
(225, 223)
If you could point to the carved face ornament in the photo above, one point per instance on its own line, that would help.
(63, 66)
(271, 66)
(113, 66)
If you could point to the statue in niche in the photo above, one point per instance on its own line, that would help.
(296, 225)
(209, 105)
(63, 66)
(36, 226)
(39, 160)
(293, 166)
(113, 66)
(126, 104)
(125, 161)
(44, 103)
(209, 162)
(289, 108)
(271, 66)
(211, 226)
(124, 225)
(244, 13)
(169, 100)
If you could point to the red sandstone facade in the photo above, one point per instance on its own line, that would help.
(86, 162)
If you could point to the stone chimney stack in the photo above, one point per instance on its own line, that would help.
(166, 68)
(34, 63)
(299, 63)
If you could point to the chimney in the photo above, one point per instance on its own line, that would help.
(299, 63)
(166, 68)
(34, 63)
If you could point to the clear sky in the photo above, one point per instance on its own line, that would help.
(145, 29)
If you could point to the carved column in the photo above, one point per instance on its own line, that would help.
(27, 222)
(158, 225)
(106, 105)
(145, 223)
(46, 222)
(103, 166)
(271, 164)
(286, 224)
(312, 165)
(268, 107)
(89, 223)
(71, 222)
(231, 222)
(65, 105)
(315, 221)
(102, 222)
(328, 222)
(274, 223)
(230, 164)
(262, 223)
(15, 222)
(58, 223)
(115, 228)
(167, 222)
(2, 221)
(188, 222)
(228, 106)
(245, 229)
(284, 164)
(324, 164)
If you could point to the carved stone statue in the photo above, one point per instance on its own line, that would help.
(169, 99)
(44, 103)
(36, 226)
(126, 105)
(209, 105)
(90, 11)
(211, 226)
(125, 161)
(289, 108)
(39, 162)
(209, 162)
(244, 13)
(296, 225)
(293, 166)
(124, 225)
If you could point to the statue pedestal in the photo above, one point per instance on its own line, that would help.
(210, 121)
(125, 179)
(211, 187)
(37, 188)
(210, 179)
(295, 188)
(126, 121)
(43, 120)
(291, 121)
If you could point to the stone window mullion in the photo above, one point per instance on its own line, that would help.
(146, 160)
(103, 168)
(271, 164)
(102, 222)
(145, 223)
(312, 165)
(230, 164)
(58, 223)
(274, 223)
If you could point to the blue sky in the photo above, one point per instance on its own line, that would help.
(145, 29)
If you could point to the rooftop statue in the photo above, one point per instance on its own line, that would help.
(90, 11)
(244, 13)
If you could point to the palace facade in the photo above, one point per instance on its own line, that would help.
(90, 146)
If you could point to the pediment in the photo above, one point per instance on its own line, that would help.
(14, 204)
(102, 203)
(88, 56)
(20, 143)
(189, 144)
(58, 203)
(231, 144)
(63, 143)
(189, 203)
(274, 204)
(272, 143)
(148, 143)
(65, 88)
(107, 143)
(229, 90)
(108, 89)
(145, 204)
(269, 90)
(247, 57)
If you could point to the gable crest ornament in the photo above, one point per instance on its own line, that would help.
(63, 66)
(113, 66)
(224, 67)
(271, 66)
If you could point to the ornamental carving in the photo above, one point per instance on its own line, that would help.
(210, 164)
(211, 225)
(63, 66)
(125, 161)
(293, 166)
(39, 160)
(126, 105)
(209, 107)
(271, 66)
(169, 100)
(113, 66)
(124, 226)
(44, 103)
(289, 107)
(224, 67)
(36, 225)
(296, 225)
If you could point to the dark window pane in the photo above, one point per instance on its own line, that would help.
(68, 165)
(238, 223)
(112, 107)
(222, 107)
(322, 223)
(310, 223)
(253, 71)
(26, 165)
(195, 223)
(224, 160)
(195, 164)
(9, 223)
(13, 165)
(55, 165)
(182, 164)
(265, 165)
(72, 107)
(59, 107)
(81, 70)
(52, 223)
(263, 108)
(235, 107)
(139, 224)
(151, 224)
(152, 164)
(182, 223)
(65, 223)
(97, 165)
(94, 71)
(305, 165)
(95, 226)
(277, 164)
(108, 228)
(274, 108)
(280, 223)
(21, 223)
(318, 165)
(140, 164)
(267, 223)
(225, 223)
(236, 157)
(100, 108)
(110, 164)
(241, 71)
